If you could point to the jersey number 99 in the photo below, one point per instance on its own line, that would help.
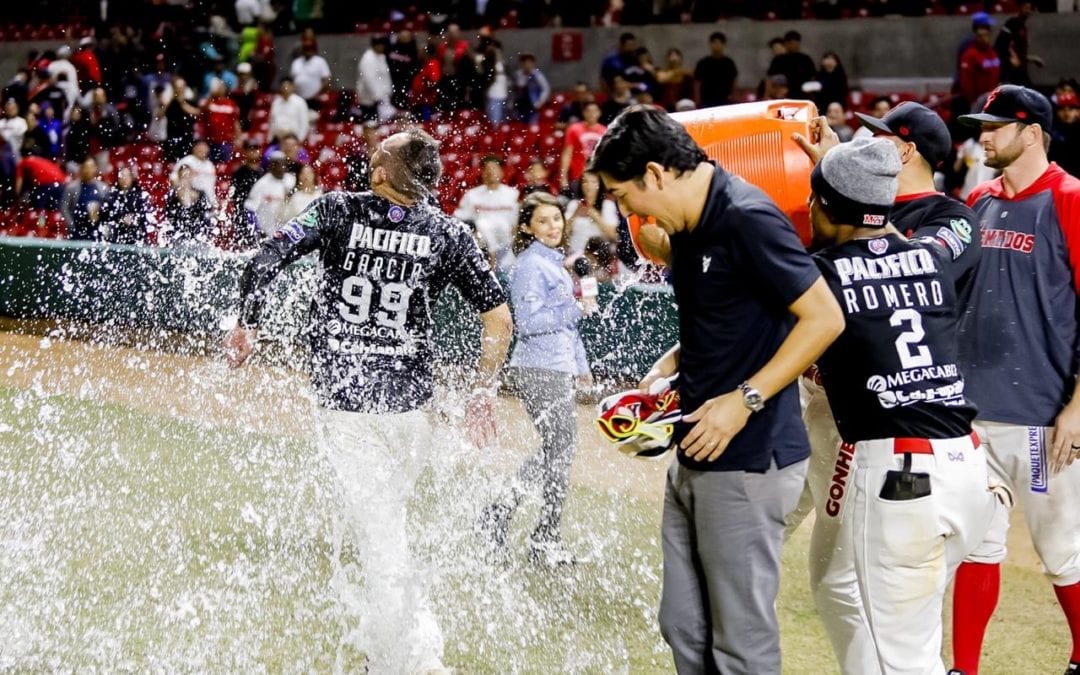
(356, 294)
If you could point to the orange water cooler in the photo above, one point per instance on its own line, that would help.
(753, 140)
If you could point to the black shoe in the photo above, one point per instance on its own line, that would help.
(1073, 669)
(954, 671)
(493, 528)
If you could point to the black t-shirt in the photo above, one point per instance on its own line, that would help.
(797, 67)
(382, 269)
(893, 373)
(950, 222)
(717, 77)
(243, 179)
(735, 275)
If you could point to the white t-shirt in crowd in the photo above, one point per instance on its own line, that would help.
(583, 228)
(12, 130)
(289, 116)
(373, 79)
(297, 202)
(267, 200)
(308, 74)
(500, 86)
(495, 212)
(203, 175)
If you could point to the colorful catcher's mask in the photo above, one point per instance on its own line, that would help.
(641, 424)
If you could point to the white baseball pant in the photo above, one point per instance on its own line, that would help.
(906, 550)
(1017, 456)
(377, 460)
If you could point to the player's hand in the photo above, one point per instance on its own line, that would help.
(717, 422)
(480, 417)
(654, 242)
(238, 344)
(588, 306)
(827, 139)
(585, 381)
(650, 378)
(1065, 446)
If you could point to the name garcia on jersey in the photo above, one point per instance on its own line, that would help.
(913, 294)
(366, 241)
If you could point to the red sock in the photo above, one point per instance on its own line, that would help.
(1069, 597)
(975, 596)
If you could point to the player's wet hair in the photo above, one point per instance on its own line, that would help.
(415, 166)
(643, 134)
(535, 200)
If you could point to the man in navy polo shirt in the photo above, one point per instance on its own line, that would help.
(754, 313)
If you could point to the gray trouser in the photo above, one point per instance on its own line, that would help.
(548, 396)
(722, 533)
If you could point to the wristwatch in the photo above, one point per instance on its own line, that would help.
(751, 397)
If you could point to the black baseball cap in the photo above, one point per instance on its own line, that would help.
(1013, 103)
(914, 123)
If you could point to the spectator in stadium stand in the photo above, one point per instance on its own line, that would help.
(593, 215)
(374, 88)
(715, 74)
(307, 190)
(53, 130)
(621, 98)
(187, 212)
(531, 89)
(837, 121)
(618, 61)
(357, 156)
(289, 113)
(12, 128)
(76, 138)
(403, 58)
(62, 64)
(18, 89)
(978, 68)
(86, 64)
(219, 71)
(257, 48)
(424, 92)
(776, 87)
(833, 80)
(457, 82)
(571, 111)
(493, 206)
(267, 197)
(244, 94)
(793, 64)
(181, 114)
(105, 129)
(642, 75)
(536, 178)
(81, 205)
(221, 120)
(878, 108)
(126, 216)
(34, 141)
(581, 138)
(310, 73)
(971, 165)
(493, 74)
(1011, 46)
(203, 171)
(40, 182)
(245, 175)
(250, 11)
(1065, 136)
(674, 80)
(603, 263)
(295, 154)
(44, 89)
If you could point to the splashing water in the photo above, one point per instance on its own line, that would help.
(161, 512)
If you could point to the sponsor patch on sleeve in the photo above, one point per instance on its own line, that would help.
(962, 228)
(292, 230)
(952, 240)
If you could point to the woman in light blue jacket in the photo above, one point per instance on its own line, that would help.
(548, 357)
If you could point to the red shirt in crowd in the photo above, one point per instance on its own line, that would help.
(980, 71)
(221, 116)
(87, 66)
(582, 139)
(40, 171)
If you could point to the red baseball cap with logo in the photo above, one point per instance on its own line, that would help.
(915, 123)
(1013, 103)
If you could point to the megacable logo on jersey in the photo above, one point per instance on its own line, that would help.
(878, 246)
(873, 219)
(396, 214)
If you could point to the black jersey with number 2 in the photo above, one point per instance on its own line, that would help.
(382, 268)
(893, 373)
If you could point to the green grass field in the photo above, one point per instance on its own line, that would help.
(135, 541)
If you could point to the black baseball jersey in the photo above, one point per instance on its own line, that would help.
(893, 373)
(382, 268)
(953, 223)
